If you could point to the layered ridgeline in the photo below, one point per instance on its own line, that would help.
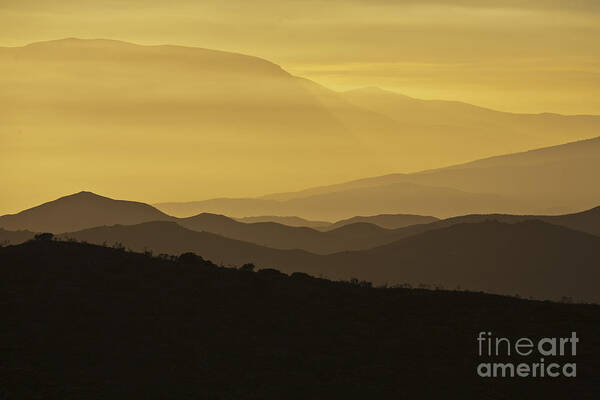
(388, 221)
(121, 113)
(525, 255)
(121, 325)
(286, 220)
(552, 180)
(87, 210)
(530, 258)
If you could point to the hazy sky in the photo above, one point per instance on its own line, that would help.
(525, 56)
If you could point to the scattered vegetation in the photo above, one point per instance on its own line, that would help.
(44, 236)
(85, 321)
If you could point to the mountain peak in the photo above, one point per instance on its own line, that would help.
(85, 193)
(79, 211)
(82, 195)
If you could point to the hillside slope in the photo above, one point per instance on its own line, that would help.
(82, 321)
(170, 238)
(530, 258)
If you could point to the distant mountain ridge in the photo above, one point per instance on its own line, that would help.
(86, 210)
(560, 178)
(393, 198)
(469, 251)
(285, 220)
(81, 97)
(387, 221)
(586, 221)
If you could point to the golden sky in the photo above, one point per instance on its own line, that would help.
(521, 56)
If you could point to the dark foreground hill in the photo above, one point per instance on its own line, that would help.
(83, 321)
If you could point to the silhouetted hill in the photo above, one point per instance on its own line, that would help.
(586, 221)
(83, 321)
(287, 220)
(79, 211)
(101, 211)
(268, 234)
(87, 210)
(352, 236)
(236, 243)
(171, 238)
(388, 221)
(530, 258)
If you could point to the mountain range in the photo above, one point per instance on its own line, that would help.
(86, 210)
(530, 258)
(496, 253)
(367, 288)
(494, 201)
(557, 179)
(235, 121)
